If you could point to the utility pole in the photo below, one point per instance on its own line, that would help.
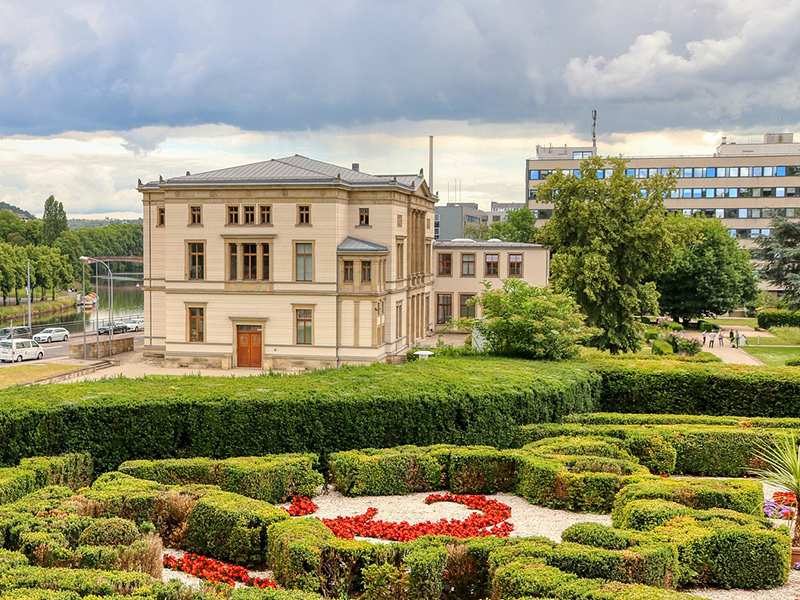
(28, 290)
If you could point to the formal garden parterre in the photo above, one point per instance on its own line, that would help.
(92, 523)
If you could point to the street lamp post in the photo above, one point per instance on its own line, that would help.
(89, 259)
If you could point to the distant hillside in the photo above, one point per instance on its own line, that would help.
(16, 210)
(95, 223)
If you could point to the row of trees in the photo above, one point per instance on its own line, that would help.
(617, 251)
(50, 269)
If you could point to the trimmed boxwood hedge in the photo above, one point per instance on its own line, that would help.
(478, 400)
(778, 316)
(699, 389)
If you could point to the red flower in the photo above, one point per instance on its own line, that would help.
(301, 506)
(215, 571)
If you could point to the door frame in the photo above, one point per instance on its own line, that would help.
(248, 321)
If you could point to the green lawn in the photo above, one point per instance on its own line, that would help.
(733, 321)
(771, 356)
(16, 374)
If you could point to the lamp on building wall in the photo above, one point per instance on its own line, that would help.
(89, 260)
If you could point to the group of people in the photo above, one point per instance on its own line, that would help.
(735, 340)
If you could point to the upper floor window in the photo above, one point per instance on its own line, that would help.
(400, 253)
(366, 271)
(445, 265)
(195, 215)
(249, 261)
(347, 275)
(265, 261)
(196, 260)
(233, 215)
(492, 262)
(161, 217)
(515, 265)
(304, 262)
(363, 217)
(266, 214)
(304, 215)
(468, 265)
(249, 215)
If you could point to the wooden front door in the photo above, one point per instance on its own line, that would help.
(248, 346)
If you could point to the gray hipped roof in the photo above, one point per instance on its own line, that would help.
(291, 169)
(355, 245)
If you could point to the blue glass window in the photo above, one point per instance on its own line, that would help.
(719, 213)
(630, 172)
(687, 172)
(744, 171)
(663, 171)
(600, 174)
(609, 173)
(652, 172)
(780, 171)
(697, 193)
(758, 172)
(577, 173)
(641, 173)
(742, 213)
(698, 172)
(732, 232)
(709, 192)
(674, 194)
(534, 174)
(733, 171)
(721, 192)
(687, 193)
(770, 171)
(765, 232)
(711, 172)
(733, 192)
(722, 171)
(780, 192)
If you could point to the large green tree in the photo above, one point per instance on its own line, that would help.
(519, 226)
(710, 273)
(779, 257)
(608, 236)
(54, 221)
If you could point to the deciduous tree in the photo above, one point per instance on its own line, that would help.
(608, 235)
(519, 226)
(54, 221)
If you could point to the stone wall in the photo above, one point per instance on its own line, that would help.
(118, 346)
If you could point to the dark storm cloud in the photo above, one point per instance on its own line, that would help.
(277, 66)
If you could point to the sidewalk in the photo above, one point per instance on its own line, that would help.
(735, 356)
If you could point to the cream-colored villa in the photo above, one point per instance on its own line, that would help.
(289, 263)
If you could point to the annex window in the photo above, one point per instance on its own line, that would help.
(492, 262)
(196, 260)
(445, 265)
(398, 318)
(363, 217)
(249, 215)
(467, 265)
(249, 261)
(366, 271)
(515, 265)
(233, 215)
(197, 324)
(233, 261)
(303, 325)
(304, 215)
(265, 262)
(347, 275)
(304, 262)
(266, 214)
(195, 215)
(400, 253)
(467, 310)
(161, 217)
(444, 308)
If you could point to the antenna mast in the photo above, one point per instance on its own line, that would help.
(594, 132)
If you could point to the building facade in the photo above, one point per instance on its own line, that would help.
(289, 263)
(462, 265)
(454, 219)
(739, 184)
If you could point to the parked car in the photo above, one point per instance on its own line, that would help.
(52, 333)
(19, 332)
(117, 328)
(17, 350)
(135, 325)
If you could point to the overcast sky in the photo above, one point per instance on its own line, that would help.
(94, 95)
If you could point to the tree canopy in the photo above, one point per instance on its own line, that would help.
(54, 221)
(519, 226)
(526, 321)
(779, 256)
(710, 273)
(608, 235)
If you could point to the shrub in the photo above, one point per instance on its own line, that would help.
(597, 536)
(323, 411)
(74, 470)
(385, 582)
(778, 316)
(10, 559)
(481, 470)
(294, 550)
(109, 532)
(793, 362)
(662, 347)
(426, 571)
(275, 478)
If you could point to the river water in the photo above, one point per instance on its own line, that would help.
(128, 303)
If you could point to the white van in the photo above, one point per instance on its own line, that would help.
(19, 350)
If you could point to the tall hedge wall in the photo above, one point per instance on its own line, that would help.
(697, 389)
(458, 401)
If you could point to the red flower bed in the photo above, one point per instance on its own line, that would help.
(301, 506)
(491, 521)
(215, 571)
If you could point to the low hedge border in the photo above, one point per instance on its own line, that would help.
(273, 478)
(74, 470)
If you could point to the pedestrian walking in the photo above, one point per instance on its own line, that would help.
(721, 339)
(704, 337)
(711, 340)
(730, 338)
(736, 338)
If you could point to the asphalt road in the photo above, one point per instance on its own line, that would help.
(60, 350)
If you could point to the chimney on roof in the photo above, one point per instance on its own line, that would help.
(356, 167)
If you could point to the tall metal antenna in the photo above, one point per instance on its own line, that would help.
(594, 132)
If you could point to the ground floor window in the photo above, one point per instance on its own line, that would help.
(444, 308)
(467, 310)
(303, 321)
(196, 324)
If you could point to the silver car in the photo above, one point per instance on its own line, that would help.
(50, 334)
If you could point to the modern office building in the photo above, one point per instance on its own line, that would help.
(499, 210)
(462, 265)
(454, 220)
(740, 183)
(290, 263)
